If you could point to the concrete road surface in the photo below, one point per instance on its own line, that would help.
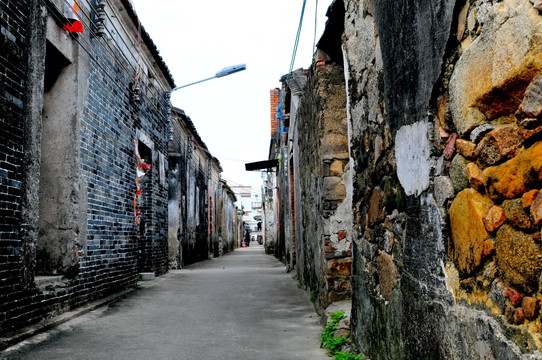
(239, 306)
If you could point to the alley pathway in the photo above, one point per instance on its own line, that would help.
(239, 306)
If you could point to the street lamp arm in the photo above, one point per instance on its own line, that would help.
(224, 72)
(193, 83)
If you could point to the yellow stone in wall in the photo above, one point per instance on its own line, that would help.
(469, 236)
(336, 168)
(512, 178)
(387, 274)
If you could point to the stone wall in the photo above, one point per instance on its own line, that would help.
(444, 101)
(495, 102)
(323, 237)
(307, 197)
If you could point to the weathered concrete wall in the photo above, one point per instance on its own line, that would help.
(269, 224)
(196, 245)
(202, 215)
(62, 195)
(177, 188)
(228, 221)
(443, 111)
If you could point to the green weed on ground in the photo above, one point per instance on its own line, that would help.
(313, 296)
(333, 344)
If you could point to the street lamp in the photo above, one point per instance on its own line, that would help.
(224, 72)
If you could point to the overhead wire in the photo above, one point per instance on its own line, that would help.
(253, 190)
(296, 43)
(315, 26)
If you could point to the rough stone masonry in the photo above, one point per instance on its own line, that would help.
(445, 137)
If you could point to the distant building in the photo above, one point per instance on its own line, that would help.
(194, 195)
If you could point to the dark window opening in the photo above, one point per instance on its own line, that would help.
(144, 152)
(55, 62)
(287, 101)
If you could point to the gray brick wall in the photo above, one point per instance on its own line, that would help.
(109, 127)
(13, 44)
(12, 90)
(188, 172)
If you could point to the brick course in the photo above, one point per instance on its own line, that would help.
(109, 126)
(275, 102)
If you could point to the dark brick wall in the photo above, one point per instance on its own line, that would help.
(110, 127)
(188, 172)
(13, 80)
(12, 89)
(110, 124)
(108, 168)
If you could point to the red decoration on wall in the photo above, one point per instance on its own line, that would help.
(72, 25)
(146, 167)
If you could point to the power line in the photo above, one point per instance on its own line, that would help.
(252, 190)
(315, 27)
(297, 37)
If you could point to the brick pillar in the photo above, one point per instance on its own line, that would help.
(275, 101)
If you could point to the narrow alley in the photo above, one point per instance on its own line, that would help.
(239, 306)
(388, 175)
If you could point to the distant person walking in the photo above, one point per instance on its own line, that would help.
(247, 238)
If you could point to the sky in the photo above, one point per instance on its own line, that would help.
(198, 38)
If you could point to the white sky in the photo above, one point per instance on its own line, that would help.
(199, 38)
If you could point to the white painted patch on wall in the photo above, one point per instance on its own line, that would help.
(412, 154)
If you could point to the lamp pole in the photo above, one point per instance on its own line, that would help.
(224, 72)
